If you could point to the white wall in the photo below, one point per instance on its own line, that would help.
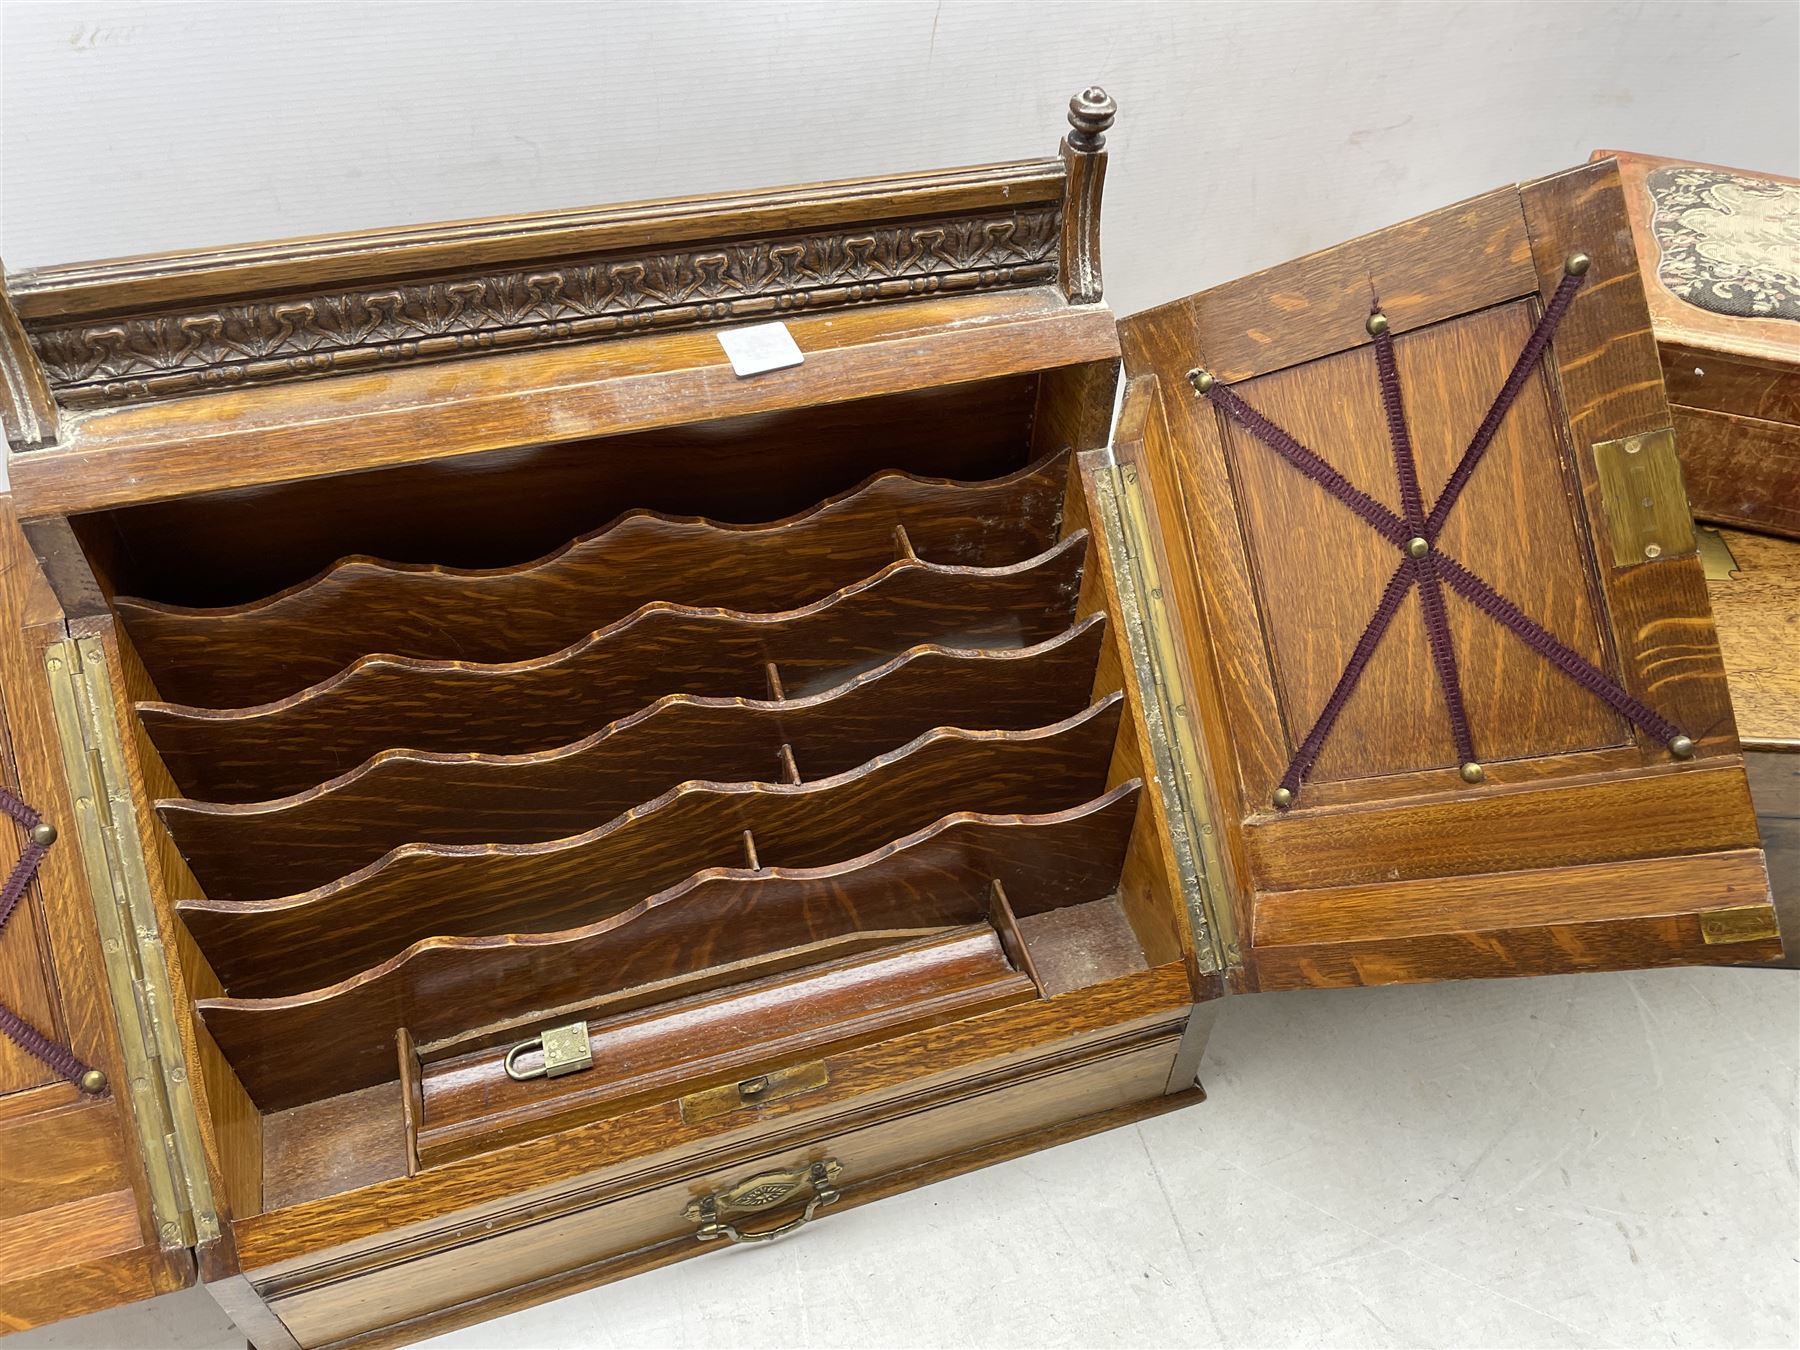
(1248, 133)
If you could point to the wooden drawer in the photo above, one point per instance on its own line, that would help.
(637, 1221)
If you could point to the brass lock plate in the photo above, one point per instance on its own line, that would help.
(753, 1092)
(1743, 923)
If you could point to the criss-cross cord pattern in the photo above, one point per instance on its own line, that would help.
(1412, 502)
(15, 1028)
(1423, 563)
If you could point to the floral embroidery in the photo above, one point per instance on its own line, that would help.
(1729, 244)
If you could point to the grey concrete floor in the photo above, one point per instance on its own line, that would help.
(1592, 1160)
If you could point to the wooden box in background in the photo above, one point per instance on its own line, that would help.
(1720, 250)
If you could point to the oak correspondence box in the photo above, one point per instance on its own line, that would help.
(502, 802)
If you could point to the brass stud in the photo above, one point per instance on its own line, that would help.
(1418, 546)
(1472, 772)
(1283, 798)
(1682, 747)
(1378, 324)
(1202, 380)
(93, 1082)
(1577, 264)
(43, 834)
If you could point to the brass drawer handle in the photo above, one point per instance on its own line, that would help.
(765, 1190)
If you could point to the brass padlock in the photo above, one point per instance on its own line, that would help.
(565, 1049)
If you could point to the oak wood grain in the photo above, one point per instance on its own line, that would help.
(1074, 407)
(1150, 885)
(312, 1245)
(27, 977)
(267, 649)
(1082, 945)
(263, 949)
(1553, 803)
(252, 438)
(1146, 442)
(883, 1150)
(225, 496)
(1766, 390)
(39, 1297)
(1608, 373)
(337, 1144)
(256, 850)
(28, 413)
(470, 1105)
(230, 1125)
(1741, 471)
(509, 505)
(1430, 268)
(380, 703)
(1775, 788)
(289, 1050)
(1637, 943)
(1757, 612)
(1660, 812)
(1733, 380)
(60, 1148)
(1514, 526)
(591, 1274)
(1539, 897)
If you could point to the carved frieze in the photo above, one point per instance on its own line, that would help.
(187, 351)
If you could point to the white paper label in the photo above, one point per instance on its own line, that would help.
(765, 346)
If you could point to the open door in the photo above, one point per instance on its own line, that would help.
(88, 1219)
(1439, 630)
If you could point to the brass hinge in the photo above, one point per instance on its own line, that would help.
(1647, 514)
(131, 944)
(1716, 558)
(1180, 777)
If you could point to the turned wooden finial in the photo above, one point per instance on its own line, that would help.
(1091, 112)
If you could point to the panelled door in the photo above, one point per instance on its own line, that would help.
(1444, 640)
(84, 1224)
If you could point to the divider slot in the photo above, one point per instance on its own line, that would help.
(255, 851)
(292, 1050)
(284, 947)
(268, 649)
(379, 703)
